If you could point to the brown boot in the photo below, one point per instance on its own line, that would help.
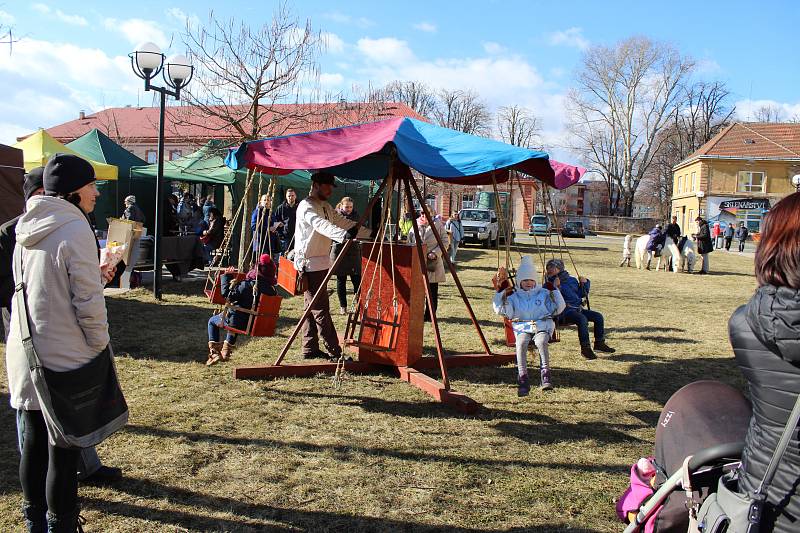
(227, 351)
(213, 353)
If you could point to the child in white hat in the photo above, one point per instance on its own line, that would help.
(531, 310)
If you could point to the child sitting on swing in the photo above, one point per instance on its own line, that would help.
(531, 311)
(260, 280)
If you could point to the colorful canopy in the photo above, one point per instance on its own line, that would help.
(39, 147)
(364, 151)
(97, 146)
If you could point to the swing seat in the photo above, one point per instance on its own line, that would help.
(511, 338)
(261, 322)
(374, 334)
(214, 293)
(289, 279)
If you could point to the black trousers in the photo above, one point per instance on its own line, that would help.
(48, 474)
(341, 287)
(728, 243)
(434, 288)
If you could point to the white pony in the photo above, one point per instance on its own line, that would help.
(682, 259)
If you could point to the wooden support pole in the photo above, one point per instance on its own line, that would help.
(324, 286)
(452, 268)
(422, 261)
(427, 384)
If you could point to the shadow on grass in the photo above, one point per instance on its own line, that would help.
(661, 339)
(351, 452)
(645, 329)
(248, 513)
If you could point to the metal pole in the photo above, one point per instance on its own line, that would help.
(159, 225)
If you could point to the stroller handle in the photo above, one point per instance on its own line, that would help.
(729, 450)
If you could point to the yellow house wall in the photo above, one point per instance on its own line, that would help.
(724, 177)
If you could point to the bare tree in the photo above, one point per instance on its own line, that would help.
(769, 113)
(463, 111)
(624, 97)
(518, 126)
(415, 94)
(243, 73)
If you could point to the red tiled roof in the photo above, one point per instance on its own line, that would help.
(187, 124)
(754, 140)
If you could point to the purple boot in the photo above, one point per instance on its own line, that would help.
(523, 386)
(546, 384)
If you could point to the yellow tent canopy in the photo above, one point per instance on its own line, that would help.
(40, 146)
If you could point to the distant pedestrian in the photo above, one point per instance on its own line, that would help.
(626, 250)
(704, 243)
(132, 210)
(456, 231)
(673, 230)
(729, 231)
(741, 235)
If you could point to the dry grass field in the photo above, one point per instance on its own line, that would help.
(205, 452)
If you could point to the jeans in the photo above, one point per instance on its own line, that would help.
(453, 250)
(541, 340)
(48, 474)
(214, 325)
(581, 318)
(741, 246)
(705, 262)
(341, 287)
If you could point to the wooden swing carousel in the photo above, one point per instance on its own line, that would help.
(385, 322)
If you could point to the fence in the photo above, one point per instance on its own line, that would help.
(619, 224)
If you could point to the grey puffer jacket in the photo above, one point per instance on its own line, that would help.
(765, 335)
(65, 294)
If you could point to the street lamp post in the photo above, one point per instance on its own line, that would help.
(147, 61)
(796, 182)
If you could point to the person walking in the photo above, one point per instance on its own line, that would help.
(434, 263)
(67, 314)
(350, 265)
(704, 243)
(729, 232)
(318, 225)
(765, 336)
(132, 210)
(741, 235)
(285, 218)
(455, 230)
(212, 237)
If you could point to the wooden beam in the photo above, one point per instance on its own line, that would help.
(460, 402)
(301, 370)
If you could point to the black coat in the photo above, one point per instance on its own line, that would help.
(241, 295)
(765, 335)
(704, 245)
(8, 239)
(288, 215)
(216, 232)
(351, 262)
(674, 231)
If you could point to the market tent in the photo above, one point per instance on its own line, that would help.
(11, 177)
(39, 147)
(97, 146)
(366, 151)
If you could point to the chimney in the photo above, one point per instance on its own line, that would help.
(82, 115)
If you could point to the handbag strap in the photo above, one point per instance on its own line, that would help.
(783, 443)
(23, 316)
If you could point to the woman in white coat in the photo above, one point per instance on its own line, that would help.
(64, 285)
(435, 263)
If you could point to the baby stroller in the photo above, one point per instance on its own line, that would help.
(700, 436)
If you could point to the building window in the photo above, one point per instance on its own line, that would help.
(174, 154)
(751, 218)
(691, 223)
(751, 182)
(151, 156)
(694, 181)
(467, 201)
(680, 184)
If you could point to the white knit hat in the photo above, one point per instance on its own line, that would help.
(527, 269)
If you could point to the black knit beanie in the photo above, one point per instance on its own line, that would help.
(33, 181)
(66, 173)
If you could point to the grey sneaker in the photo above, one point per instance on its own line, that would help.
(546, 384)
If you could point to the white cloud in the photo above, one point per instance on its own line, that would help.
(707, 66)
(341, 18)
(386, 50)
(41, 8)
(746, 109)
(75, 20)
(330, 79)
(178, 15)
(491, 47)
(138, 31)
(570, 37)
(6, 19)
(333, 42)
(427, 27)
(50, 82)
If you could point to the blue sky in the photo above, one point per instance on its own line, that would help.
(72, 55)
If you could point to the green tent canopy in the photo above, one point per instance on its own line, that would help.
(97, 146)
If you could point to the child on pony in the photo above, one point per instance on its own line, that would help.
(531, 311)
(260, 280)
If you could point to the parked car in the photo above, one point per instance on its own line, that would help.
(540, 225)
(480, 225)
(573, 228)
